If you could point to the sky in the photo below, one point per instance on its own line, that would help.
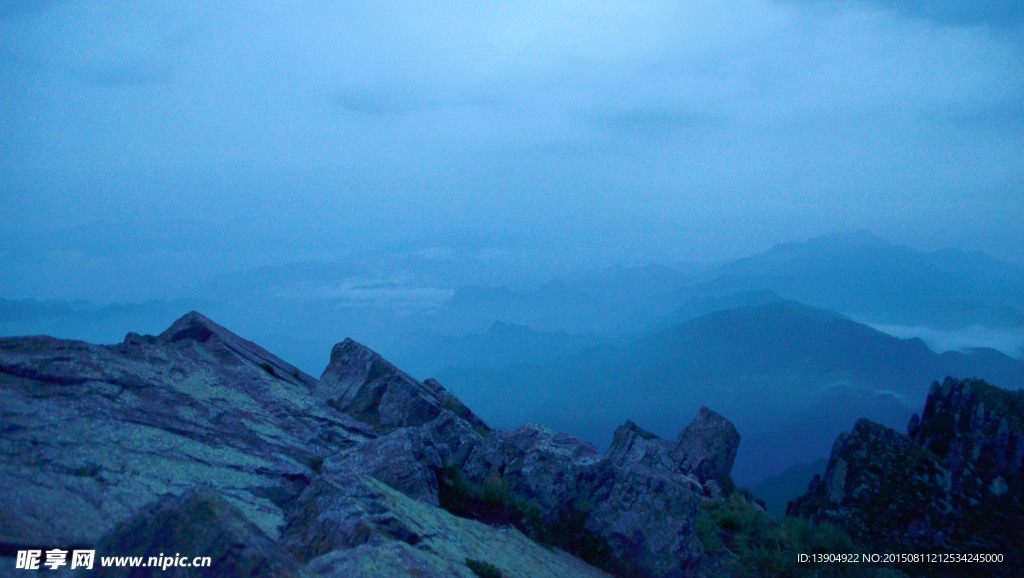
(157, 140)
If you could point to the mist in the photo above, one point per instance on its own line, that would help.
(479, 188)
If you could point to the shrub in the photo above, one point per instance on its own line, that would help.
(760, 545)
(483, 569)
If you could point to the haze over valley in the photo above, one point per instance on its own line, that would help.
(795, 212)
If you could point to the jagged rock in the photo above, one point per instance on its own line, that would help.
(978, 431)
(197, 523)
(340, 514)
(644, 517)
(632, 444)
(407, 458)
(361, 383)
(952, 485)
(331, 474)
(706, 448)
(880, 484)
(196, 329)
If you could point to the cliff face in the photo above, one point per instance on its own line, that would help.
(200, 442)
(953, 484)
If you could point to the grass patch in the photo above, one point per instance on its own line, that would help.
(492, 501)
(760, 545)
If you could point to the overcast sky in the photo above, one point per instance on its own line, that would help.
(619, 131)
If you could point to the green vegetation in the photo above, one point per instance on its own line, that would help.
(316, 464)
(760, 545)
(483, 569)
(494, 502)
(268, 368)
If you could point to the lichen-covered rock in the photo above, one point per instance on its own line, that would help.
(105, 444)
(198, 523)
(97, 432)
(340, 514)
(361, 383)
(977, 430)
(364, 527)
(632, 444)
(408, 458)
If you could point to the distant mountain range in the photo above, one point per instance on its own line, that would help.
(401, 303)
(773, 339)
(868, 278)
(792, 376)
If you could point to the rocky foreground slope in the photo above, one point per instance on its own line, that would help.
(954, 484)
(201, 443)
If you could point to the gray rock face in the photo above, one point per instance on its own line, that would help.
(632, 444)
(706, 449)
(361, 383)
(319, 476)
(644, 516)
(978, 432)
(105, 430)
(881, 486)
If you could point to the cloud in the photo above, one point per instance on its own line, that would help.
(514, 113)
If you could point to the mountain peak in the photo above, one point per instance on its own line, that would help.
(196, 328)
(192, 325)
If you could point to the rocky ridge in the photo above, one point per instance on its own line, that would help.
(953, 484)
(201, 442)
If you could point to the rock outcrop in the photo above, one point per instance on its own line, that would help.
(705, 449)
(361, 383)
(201, 443)
(953, 484)
(93, 433)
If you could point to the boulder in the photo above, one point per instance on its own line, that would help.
(361, 383)
(632, 444)
(707, 447)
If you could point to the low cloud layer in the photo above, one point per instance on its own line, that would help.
(660, 131)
